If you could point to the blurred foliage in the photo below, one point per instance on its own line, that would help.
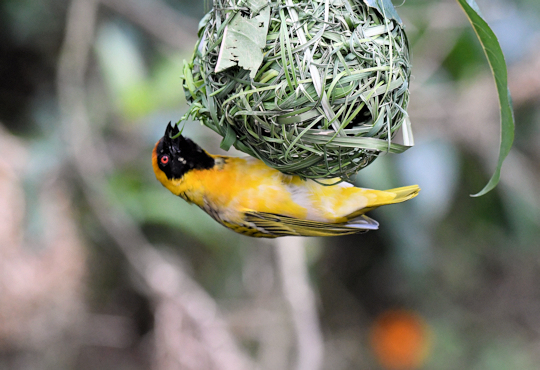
(467, 267)
(464, 66)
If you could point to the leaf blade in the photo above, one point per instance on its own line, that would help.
(243, 41)
(386, 8)
(495, 57)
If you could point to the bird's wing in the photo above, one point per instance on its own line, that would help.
(279, 225)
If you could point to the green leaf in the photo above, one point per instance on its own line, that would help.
(202, 24)
(229, 139)
(256, 5)
(386, 8)
(495, 57)
(243, 41)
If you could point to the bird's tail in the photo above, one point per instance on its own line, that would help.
(383, 198)
(404, 193)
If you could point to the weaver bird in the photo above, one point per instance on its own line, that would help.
(247, 196)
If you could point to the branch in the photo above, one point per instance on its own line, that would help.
(178, 298)
(301, 298)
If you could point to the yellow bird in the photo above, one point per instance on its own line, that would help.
(247, 196)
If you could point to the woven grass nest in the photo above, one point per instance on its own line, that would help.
(316, 88)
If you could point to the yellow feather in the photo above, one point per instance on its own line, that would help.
(251, 198)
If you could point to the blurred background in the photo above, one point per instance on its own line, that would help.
(102, 268)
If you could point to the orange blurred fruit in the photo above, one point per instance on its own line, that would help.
(400, 340)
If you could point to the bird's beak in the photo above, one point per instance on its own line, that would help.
(168, 129)
(171, 131)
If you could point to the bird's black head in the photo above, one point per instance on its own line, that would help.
(177, 156)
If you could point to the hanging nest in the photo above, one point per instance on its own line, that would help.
(316, 88)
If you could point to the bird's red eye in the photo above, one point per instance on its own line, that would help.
(164, 159)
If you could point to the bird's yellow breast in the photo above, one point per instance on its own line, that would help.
(236, 185)
(251, 198)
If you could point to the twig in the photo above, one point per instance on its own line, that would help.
(301, 298)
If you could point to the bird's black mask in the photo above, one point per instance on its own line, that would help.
(180, 155)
